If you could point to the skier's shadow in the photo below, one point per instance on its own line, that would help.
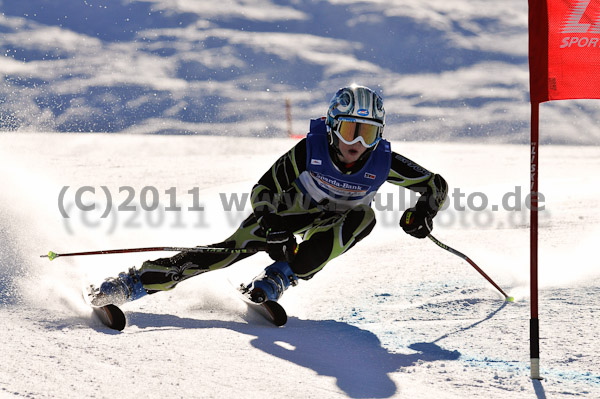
(353, 356)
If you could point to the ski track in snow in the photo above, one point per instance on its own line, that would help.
(396, 317)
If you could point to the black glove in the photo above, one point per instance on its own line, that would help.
(281, 243)
(416, 223)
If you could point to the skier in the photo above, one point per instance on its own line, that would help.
(321, 189)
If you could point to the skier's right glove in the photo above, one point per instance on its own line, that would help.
(281, 243)
(416, 223)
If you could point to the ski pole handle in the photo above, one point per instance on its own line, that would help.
(465, 257)
(53, 255)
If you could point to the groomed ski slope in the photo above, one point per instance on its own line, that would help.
(395, 318)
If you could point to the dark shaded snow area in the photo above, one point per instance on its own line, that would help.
(448, 70)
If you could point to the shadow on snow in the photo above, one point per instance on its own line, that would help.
(353, 356)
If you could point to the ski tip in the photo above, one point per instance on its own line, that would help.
(119, 321)
(277, 313)
(510, 299)
(111, 316)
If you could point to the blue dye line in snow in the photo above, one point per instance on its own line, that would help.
(549, 373)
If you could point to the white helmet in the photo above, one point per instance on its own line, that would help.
(355, 114)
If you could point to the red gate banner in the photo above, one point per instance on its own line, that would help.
(564, 49)
(564, 63)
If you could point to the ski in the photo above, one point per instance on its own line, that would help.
(270, 310)
(110, 315)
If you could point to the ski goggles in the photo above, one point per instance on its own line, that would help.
(353, 130)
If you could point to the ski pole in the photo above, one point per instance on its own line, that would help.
(465, 257)
(53, 255)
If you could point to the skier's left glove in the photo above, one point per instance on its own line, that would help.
(281, 243)
(416, 223)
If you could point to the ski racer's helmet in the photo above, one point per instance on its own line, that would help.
(355, 114)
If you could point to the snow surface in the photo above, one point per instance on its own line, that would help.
(447, 69)
(396, 317)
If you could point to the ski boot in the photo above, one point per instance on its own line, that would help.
(127, 287)
(271, 283)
